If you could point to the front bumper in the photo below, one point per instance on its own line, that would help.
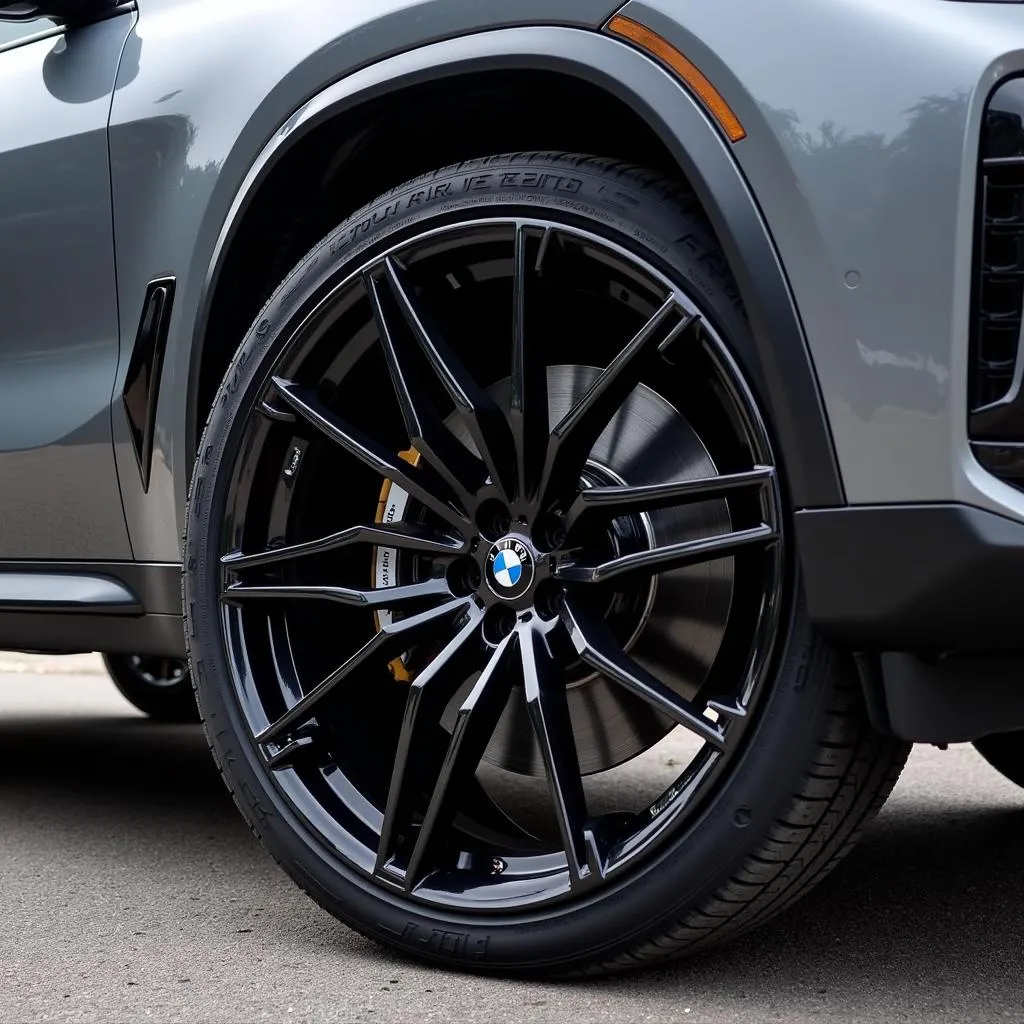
(931, 578)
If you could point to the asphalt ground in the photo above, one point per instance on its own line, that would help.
(132, 891)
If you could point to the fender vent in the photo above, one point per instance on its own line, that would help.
(142, 381)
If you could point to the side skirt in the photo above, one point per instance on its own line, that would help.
(111, 607)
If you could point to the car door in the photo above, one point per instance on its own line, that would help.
(59, 495)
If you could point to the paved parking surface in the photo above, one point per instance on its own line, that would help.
(132, 891)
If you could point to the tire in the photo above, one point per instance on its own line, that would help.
(160, 687)
(752, 823)
(1005, 752)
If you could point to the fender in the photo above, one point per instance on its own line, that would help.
(779, 364)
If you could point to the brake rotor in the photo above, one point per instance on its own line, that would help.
(673, 629)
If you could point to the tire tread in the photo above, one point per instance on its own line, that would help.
(794, 857)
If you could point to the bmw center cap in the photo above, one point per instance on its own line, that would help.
(509, 568)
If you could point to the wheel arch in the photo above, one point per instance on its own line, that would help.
(669, 125)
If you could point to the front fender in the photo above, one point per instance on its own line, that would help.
(779, 362)
(863, 122)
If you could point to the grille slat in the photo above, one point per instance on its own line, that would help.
(996, 395)
(998, 301)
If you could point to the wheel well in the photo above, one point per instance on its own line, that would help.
(352, 158)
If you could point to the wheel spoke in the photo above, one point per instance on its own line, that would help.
(668, 556)
(379, 597)
(474, 726)
(306, 404)
(477, 410)
(546, 704)
(403, 536)
(620, 501)
(576, 433)
(528, 414)
(393, 639)
(449, 458)
(598, 649)
(419, 755)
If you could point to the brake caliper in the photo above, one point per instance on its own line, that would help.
(391, 508)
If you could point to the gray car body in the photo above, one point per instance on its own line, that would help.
(137, 144)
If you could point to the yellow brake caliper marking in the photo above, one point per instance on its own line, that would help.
(391, 507)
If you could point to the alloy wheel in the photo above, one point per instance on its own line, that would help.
(504, 504)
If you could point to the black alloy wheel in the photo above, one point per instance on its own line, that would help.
(159, 686)
(487, 514)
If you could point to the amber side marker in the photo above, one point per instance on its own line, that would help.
(665, 52)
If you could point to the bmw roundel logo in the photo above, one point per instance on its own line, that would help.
(509, 568)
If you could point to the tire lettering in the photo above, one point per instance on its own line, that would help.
(390, 210)
(689, 242)
(648, 239)
(439, 940)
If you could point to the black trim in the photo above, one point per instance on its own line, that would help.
(945, 700)
(996, 367)
(142, 382)
(914, 577)
(113, 607)
(68, 12)
(108, 634)
(1002, 459)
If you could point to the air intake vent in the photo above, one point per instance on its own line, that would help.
(1000, 280)
(996, 357)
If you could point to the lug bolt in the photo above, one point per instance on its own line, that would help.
(500, 621)
(550, 533)
(464, 576)
(546, 601)
(493, 519)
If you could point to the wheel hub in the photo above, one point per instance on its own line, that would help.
(647, 442)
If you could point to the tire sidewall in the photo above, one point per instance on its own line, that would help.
(690, 866)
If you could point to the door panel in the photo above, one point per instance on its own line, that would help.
(59, 494)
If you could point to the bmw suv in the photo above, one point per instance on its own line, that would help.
(570, 449)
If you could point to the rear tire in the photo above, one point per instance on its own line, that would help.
(159, 687)
(791, 798)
